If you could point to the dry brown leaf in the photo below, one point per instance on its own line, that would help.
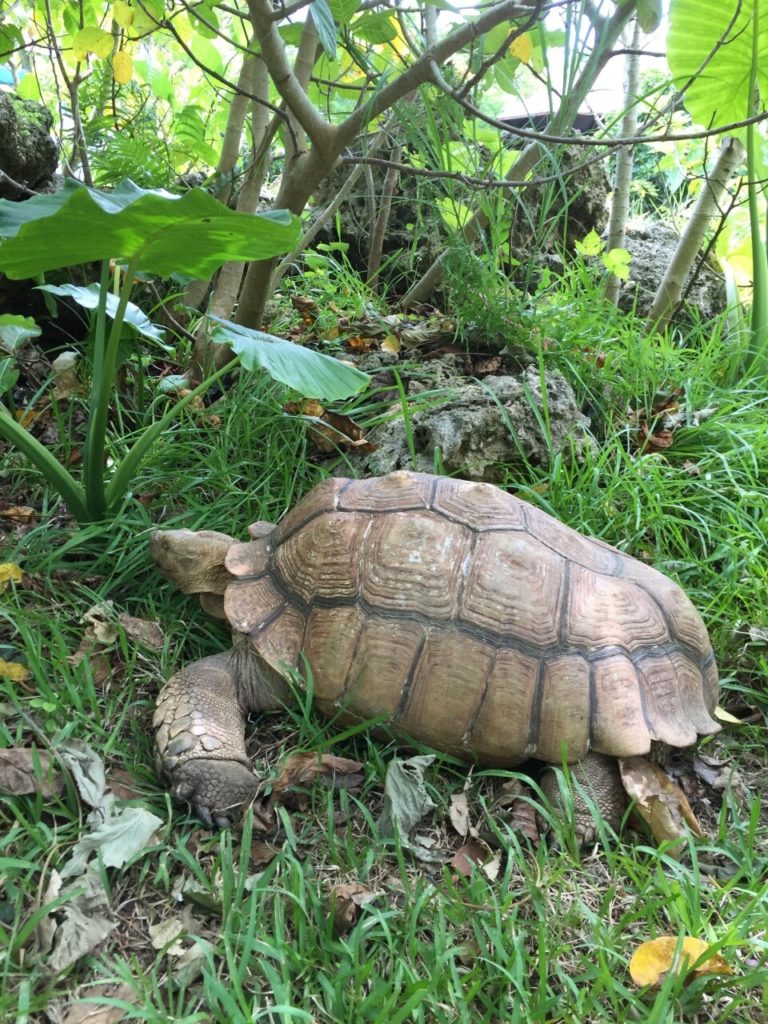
(516, 812)
(24, 770)
(652, 961)
(658, 800)
(302, 769)
(81, 1012)
(124, 786)
(261, 854)
(472, 855)
(147, 633)
(458, 812)
(345, 901)
(66, 381)
(22, 512)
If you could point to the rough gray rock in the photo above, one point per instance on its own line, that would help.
(652, 248)
(563, 211)
(486, 429)
(28, 152)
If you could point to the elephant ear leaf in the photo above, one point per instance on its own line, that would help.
(164, 234)
(710, 46)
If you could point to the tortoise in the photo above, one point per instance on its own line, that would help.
(471, 620)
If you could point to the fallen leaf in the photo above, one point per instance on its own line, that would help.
(303, 768)
(658, 800)
(692, 468)
(82, 1012)
(458, 812)
(100, 622)
(22, 512)
(87, 921)
(406, 802)
(65, 381)
(725, 716)
(261, 854)
(166, 934)
(117, 839)
(517, 812)
(345, 900)
(9, 573)
(25, 770)
(124, 785)
(390, 344)
(470, 856)
(14, 671)
(652, 961)
(147, 633)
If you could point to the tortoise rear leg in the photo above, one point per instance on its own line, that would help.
(200, 739)
(597, 776)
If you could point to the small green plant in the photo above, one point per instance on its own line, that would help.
(154, 232)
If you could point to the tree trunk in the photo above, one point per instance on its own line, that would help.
(625, 158)
(707, 205)
(607, 33)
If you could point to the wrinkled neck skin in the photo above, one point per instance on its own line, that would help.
(259, 687)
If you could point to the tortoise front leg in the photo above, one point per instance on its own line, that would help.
(200, 739)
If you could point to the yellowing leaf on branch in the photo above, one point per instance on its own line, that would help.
(92, 40)
(122, 14)
(522, 48)
(652, 961)
(122, 67)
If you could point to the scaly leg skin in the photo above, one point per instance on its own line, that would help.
(599, 777)
(200, 739)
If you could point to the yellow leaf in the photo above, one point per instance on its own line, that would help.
(653, 960)
(522, 48)
(122, 67)
(9, 572)
(725, 716)
(14, 671)
(92, 40)
(390, 344)
(122, 14)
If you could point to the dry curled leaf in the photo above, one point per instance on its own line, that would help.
(147, 633)
(458, 812)
(82, 1012)
(25, 770)
(345, 901)
(652, 961)
(303, 769)
(658, 800)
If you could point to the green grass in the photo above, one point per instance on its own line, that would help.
(550, 938)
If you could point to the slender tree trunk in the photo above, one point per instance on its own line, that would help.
(625, 158)
(230, 151)
(376, 243)
(607, 32)
(707, 205)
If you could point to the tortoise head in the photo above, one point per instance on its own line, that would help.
(193, 560)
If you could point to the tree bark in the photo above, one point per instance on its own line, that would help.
(607, 33)
(625, 158)
(707, 205)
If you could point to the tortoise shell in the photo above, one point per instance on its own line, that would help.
(474, 622)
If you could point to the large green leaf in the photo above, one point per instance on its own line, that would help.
(88, 297)
(698, 29)
(325, 25)
(310, 373)
(192, 234)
